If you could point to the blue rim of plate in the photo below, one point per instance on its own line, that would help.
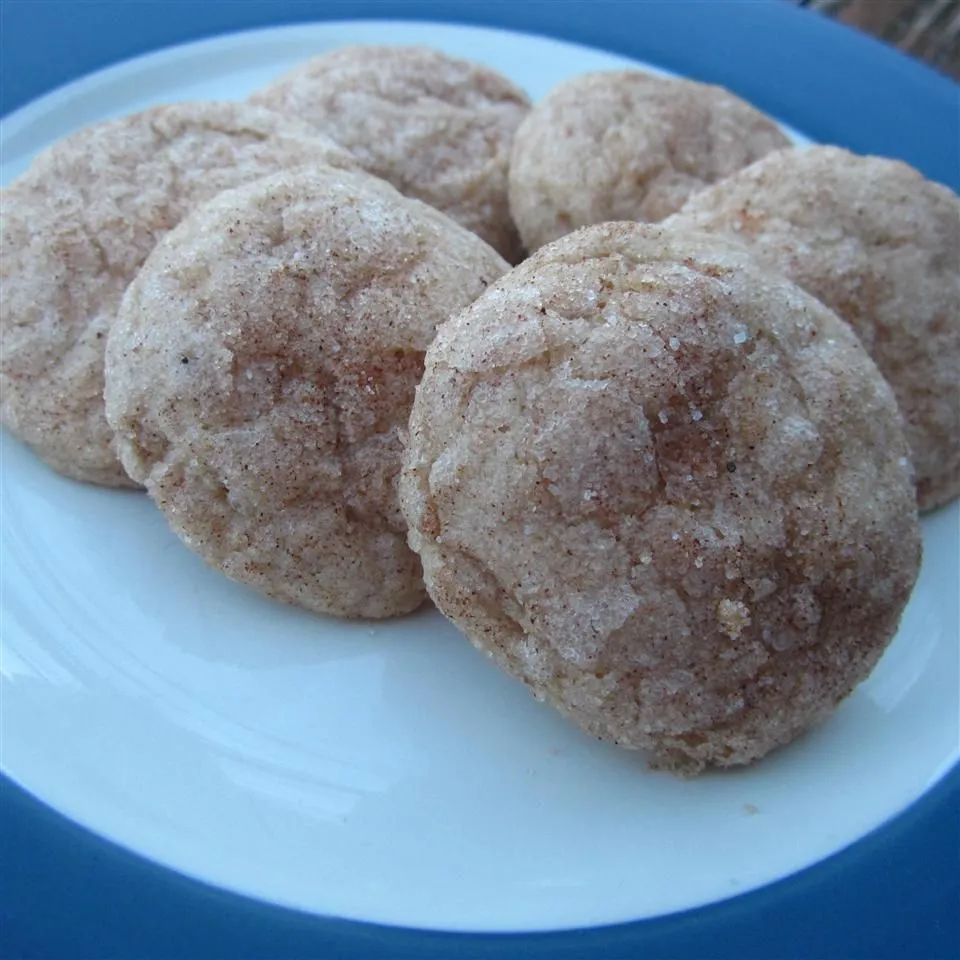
(890, 894)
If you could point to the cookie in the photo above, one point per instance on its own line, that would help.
(880, 245)
(76, 228)
(438, 128)
(262, 365)
(627, 145)
(666, 489)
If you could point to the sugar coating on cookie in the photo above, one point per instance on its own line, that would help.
(437, 127)
(262, 365)
(627, 145)
(880, 245)
(76, 228)
(667, 490)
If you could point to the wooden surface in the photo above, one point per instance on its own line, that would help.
(926, 29)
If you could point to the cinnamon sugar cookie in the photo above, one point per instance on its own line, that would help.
(262, 365)
(666, 489)
(438, 128)
(627, 145)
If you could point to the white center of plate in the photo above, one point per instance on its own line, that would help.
(388, 772)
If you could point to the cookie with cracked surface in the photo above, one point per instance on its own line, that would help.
(627, 145)
(76, 228)
(437, 127)
(666, 489)
(261, 366)
(880, 245)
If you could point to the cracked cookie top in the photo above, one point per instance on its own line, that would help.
(668, 490)
(76, 228)
(262, 365)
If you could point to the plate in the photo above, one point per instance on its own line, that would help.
(386, 772)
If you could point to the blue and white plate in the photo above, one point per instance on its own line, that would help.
(386, 772)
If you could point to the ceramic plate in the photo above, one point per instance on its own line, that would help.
(386, 771)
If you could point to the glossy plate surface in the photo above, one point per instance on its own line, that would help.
(387, 772)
